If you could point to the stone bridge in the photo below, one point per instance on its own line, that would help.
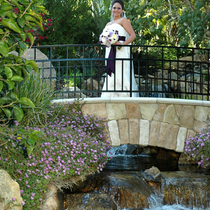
(159, 122)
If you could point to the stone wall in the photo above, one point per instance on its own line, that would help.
(160, 122)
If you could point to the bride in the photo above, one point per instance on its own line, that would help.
(120, 79)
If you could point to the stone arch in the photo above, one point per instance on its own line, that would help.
(159, 122)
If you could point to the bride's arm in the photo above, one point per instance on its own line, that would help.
(127, 26)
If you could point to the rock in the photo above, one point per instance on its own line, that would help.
(83, 201)
(170, 115)
(182, 62)
(67, 93)
(9, 190)
(127, 189)
(153, 174)
(29, 55)
(53, 199)
(92, 84)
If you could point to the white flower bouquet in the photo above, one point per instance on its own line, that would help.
(109, 37)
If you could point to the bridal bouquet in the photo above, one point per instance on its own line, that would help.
(109, 37)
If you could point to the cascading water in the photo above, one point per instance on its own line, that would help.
(182, 191)
(179, 190)
(132, 157)
(126, 183)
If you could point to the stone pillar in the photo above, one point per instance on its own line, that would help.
(114, 133)
(124, 133)
(181, 139)
(134, 131)
(163, 135)
(144, 132)
(172, 137)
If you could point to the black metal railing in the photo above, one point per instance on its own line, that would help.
(160, 71)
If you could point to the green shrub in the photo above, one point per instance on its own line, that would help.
(16, 20)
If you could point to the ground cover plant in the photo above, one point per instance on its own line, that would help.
(70, 144)
(197, 148)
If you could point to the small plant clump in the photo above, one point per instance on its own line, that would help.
(70, 144)
(197, 148)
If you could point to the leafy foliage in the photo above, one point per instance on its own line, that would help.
(176, 23)
(17, 17)
(72, 22)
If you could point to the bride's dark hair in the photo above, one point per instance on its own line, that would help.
(121, 2)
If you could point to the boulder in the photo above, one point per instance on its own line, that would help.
(69, 93)
(92, 84)
(152, 174)
(46, 67)
(127, 190)
(53, 199)
(83, 201)
(10, 197)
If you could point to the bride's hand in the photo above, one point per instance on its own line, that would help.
(117, 43)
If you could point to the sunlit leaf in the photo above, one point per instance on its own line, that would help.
(5, 6)
(29, 149)
(9, 23)
(17, 78)
(7, 112)
(8, 72)
(1, 85)
(13, 96)
(31, 141)
(37, 132)
(18, 112)
(10, 84)
(4, 49)
(33, 65)
(30, 36)
(29, 69)
(26, 101)
(23, 35)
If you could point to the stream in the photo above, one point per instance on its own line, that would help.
(125, 181)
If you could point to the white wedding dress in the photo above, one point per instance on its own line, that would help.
(122, 68)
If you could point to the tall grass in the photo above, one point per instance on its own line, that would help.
(40, 93)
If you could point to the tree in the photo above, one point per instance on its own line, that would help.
(72, 22)
(17, 17)
(101, 14)
(171, 22)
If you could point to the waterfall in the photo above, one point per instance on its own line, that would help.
(181, 193)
